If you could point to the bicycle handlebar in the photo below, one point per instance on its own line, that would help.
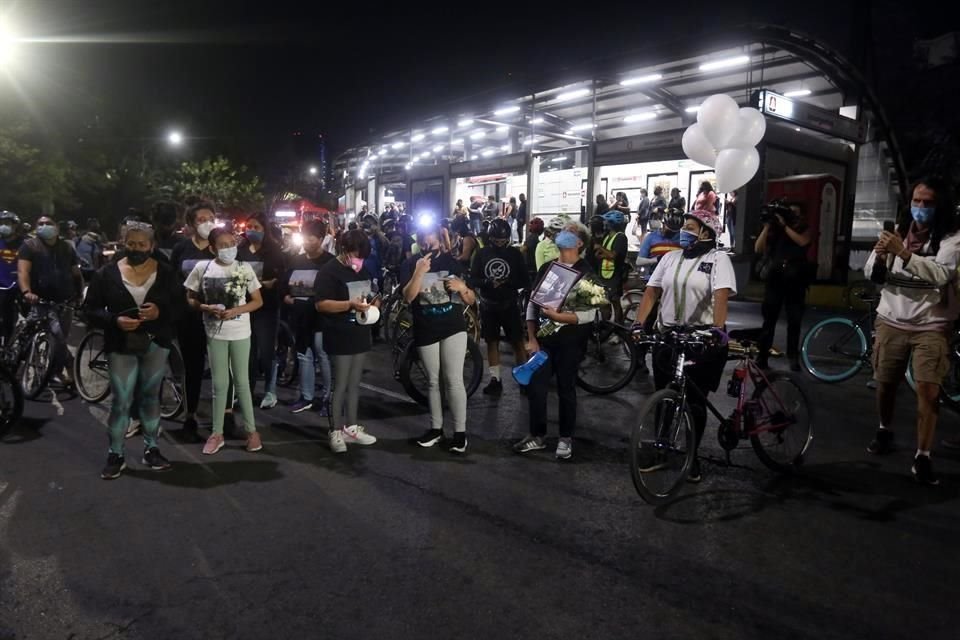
(678, 337)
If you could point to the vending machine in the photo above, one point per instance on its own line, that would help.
(819, 195)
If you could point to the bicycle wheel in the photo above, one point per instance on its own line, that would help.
(11, 401)
(834, 350)
(662, 447)
(473, 323)
(630, 313)
(610, 360)
(416, 382)
(782, 428)
(172, 389)
(91, 371)
(37, 367)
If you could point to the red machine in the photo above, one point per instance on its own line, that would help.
(819, 195)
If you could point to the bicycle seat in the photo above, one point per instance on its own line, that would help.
(746, 335)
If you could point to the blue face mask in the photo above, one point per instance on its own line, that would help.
(256, 237)
(688, 238)
(47, 232)
(566, 240)
(923, 215)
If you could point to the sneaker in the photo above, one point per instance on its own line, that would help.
(695, 476)
(528, 444)
(254, 443)
(430, 438)
(115, 466)
(951, 443)
(269, 400)
(189, 432)
(355, 434)
(301, 405)
(882, 443)
(338, 443)
(133, 429)
(154, 459)
(494, 388)
(214, 444)
(459, 444)
(923, 471)
(565, 449)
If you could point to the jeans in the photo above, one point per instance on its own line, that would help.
(263, 347)
(231, 358)
(193, 346)
(141, 377)
(346, 391)
(783, 291)
(562, 362)
(308, 372)
(446, 358)
(475, 225)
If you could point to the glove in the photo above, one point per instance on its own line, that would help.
(637, 332)
(721, 336)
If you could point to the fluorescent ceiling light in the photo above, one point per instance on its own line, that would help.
(726, 63)
(629, 82)
(408, 165)
(505, 147)
(639, 117)
(440, 130)
(398, 145)
(486, 153)
(558, 159)
(417, 137)
(537, 120)
(477, 135)
(474, 157)
(799, 93)
(505, 110)
(582, 126)
(437, 148)
(466, 122)
(502, 128)
(693, 109)
(573, 95)
(382, 152)
(425, 154)
(528, 141)
(457, 141)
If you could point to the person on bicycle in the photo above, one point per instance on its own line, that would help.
(917, 264)
(547, 250)
(434, 288)
(137, 302)
(10, 242)
(612, 257)
(48, 269)
(498, 275)
(564, 349)
(693, 287)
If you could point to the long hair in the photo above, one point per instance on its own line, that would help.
(268, 238)
(945, 214)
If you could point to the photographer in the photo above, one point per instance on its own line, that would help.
(783, 242)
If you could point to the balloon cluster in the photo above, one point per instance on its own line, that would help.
(725, 138)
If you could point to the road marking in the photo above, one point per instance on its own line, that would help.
(386, 392)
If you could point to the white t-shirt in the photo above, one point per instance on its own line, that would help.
(228, 286)
(688, 285)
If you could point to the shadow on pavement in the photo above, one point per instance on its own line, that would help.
(211, 475)
(27, 429)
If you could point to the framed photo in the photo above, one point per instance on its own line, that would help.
(555, 286)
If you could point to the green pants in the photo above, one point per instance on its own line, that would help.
(136, 376)
(231, 358)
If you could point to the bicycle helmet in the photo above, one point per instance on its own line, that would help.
(673, 219)
(535, 226)
(499, 230)
(709, 219)
(614, 218)
(13, 218)
(556, 224)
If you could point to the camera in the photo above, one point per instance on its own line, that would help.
(769, 211)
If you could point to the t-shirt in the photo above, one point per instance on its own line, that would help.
(437, 314)
(51, 269)
(341, 333)
(530, 252)
(300, 283)
(782, 246)
(656, 244)
(688, 285)
(267, 264)
(498, 264)
(546, 251)
(228, 286)
(706, 201)
(185, 256)
(9, 249)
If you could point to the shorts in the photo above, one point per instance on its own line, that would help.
(506, 317)
(893, 347)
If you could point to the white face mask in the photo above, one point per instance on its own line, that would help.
(227, 255)
(204, 229)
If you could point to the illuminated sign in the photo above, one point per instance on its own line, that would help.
(807, 115)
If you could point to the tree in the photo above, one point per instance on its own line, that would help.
(33, 179)
(218, 181)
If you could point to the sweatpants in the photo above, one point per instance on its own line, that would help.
(347, 371)
(231, 357)
(141, 377)
(446, 357)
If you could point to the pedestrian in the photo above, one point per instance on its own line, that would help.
(476, 214)
(658, 208)
(602, 206)
(521, 216)
(434, 288)
(546, 249)
(465, 244)
(643, 215)
(491, 209)
(917, 264)
(706, 198)
(10, 241)
(534, 231)
(693, 287)
(677, 201)
(226, 292)
(612, 257)
(90, 249)
(344, 290)
(263, 254)
(460, 211)
(498, 275)
(783, 242)
(137, 302)
(564, 349)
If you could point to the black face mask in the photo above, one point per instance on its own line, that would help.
(137, 258)
(698, 249)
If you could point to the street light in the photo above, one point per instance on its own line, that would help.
(8, 44)
(175, 138)
(313, 171)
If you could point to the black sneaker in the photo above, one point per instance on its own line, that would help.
(495, 388)
(189, 433)
(882, 443)
(695, 476)
(923, 471)
(430, 438)
(155, 460)
(459, 444)
(115, 466)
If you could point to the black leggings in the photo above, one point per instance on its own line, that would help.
(264, 325)
(193, 347)
(783, 291)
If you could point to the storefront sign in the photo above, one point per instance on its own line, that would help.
(806, 115)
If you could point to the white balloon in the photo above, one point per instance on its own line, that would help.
(751, 127)
(735, 168)
(697, 147)
(719, 116)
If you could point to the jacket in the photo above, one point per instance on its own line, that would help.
(108, 298)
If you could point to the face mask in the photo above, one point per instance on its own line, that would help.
(227, 255)
(6, 230)
(566, 240)
(47, 232)
(688, 238)
(137, 258)
(256, 237)
(356, 264)
(204, 229)
(923, 215)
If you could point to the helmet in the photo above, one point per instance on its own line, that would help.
(614, 218)
(707, 218)
(556, 224)
(673, 219)
(11, 216)
(499, 229)
(535, 226)
(596, 225)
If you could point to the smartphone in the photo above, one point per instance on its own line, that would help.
(889, 226)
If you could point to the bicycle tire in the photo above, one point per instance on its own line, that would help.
(788, 404)
(673, 455)
(172, 391)
(90, 368)
(611, 364)
(11, 401)
(35, 371)
(825, 358)
(473, 323)
(413, 377)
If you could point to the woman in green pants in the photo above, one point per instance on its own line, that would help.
(227, 292)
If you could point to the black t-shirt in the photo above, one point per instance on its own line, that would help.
(51, 268)
(300, 282)
(268, 264)
(499, 264)
(530, 244)
(522, 212)
(185, 256)
(783, 248)
(436, 313)
(341, 334)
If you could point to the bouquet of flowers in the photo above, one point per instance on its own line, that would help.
(234, 291)
(586, 295)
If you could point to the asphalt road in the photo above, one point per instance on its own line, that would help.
(391, 541)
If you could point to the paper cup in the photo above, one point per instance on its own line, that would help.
(370, 316)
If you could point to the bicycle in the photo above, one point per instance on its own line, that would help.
(11, 395)
(836, 349)
(772, 412)
(31, 350)
(610, 360)
(410, 372)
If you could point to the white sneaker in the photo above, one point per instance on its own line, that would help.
(269, 401)
(133, 429)
(337, 445)
(564, 449)
(355, 434)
